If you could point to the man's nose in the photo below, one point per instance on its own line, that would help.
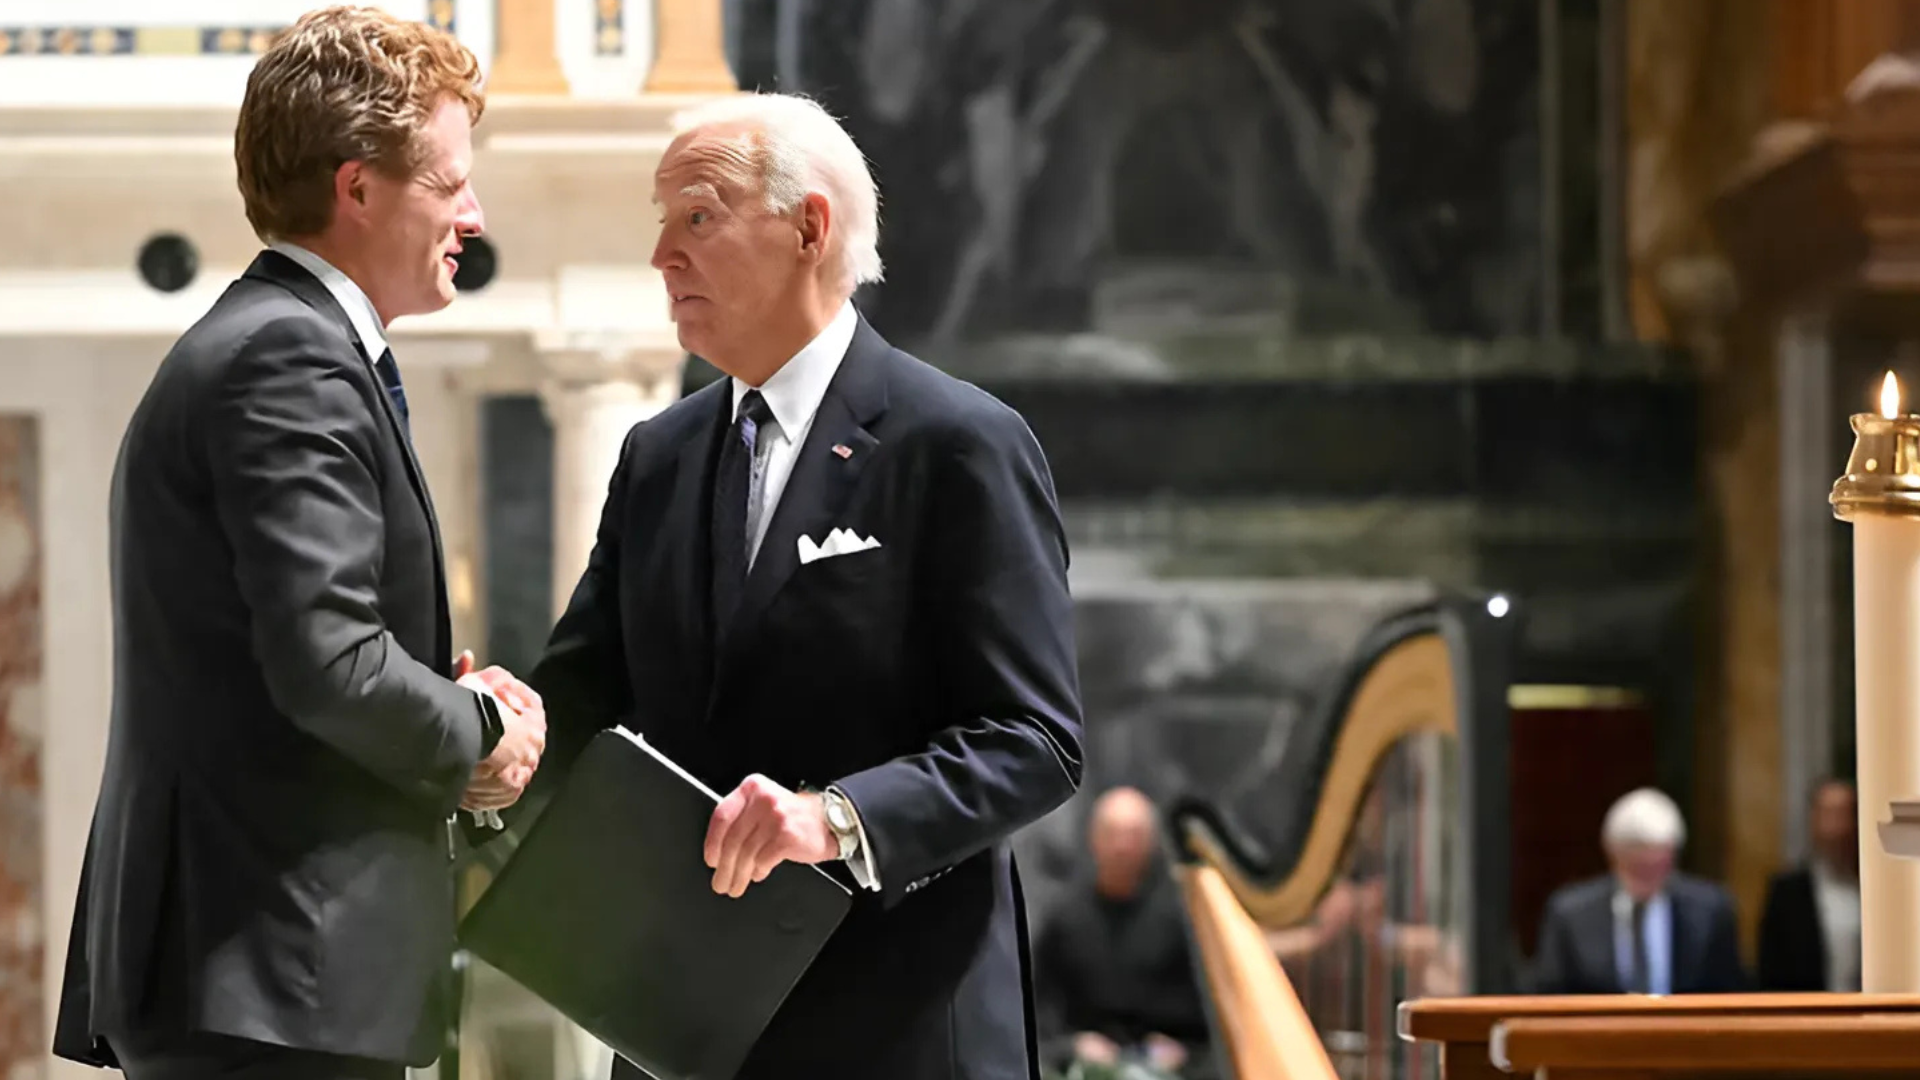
(471, 220)
(667, 254)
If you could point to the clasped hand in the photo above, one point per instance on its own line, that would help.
(760, 826)
(499, 781)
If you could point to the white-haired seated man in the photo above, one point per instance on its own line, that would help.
(1644, 928)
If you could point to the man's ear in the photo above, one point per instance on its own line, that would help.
(350, 185)
(816, 225)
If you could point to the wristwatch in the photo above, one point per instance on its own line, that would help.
(841, 821)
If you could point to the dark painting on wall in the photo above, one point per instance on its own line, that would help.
(1195, 688)
(1062, 166)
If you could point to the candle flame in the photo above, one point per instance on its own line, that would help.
(1890, 397)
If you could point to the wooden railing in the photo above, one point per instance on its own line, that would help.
(1264, 1033)
(1718, 1036)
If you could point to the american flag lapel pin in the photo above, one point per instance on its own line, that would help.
(843, 450)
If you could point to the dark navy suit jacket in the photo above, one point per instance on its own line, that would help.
(1576, 953)
(932, 678)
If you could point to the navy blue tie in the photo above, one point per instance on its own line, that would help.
(389, 373)
(732, 489)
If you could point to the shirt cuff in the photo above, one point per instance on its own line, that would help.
(865, 873)
(493, 721)
(493, 713)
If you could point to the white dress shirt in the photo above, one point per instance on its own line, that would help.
(1837, 902)
(352, 299)
(1658, 934)
(373, 340)
(793, 395)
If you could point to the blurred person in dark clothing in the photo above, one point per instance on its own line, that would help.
(1114, 973)
(1645, 927)
(1810, 928)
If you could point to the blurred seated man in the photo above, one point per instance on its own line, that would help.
(1810, 928)
(1114, 978)
(1644, 928)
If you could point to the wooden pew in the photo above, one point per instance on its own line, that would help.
(1627, 1037)
(1827, 1046)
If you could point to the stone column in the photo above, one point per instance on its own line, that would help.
(593, 393)
(690, 52)
(593, 396)
(1805, 366)
(524, 58)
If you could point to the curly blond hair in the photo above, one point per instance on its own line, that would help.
(341, 84)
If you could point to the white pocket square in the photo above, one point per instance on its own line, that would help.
(838, 542)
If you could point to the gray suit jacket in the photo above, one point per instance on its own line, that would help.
(270, 851)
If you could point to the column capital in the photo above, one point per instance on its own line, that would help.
(581, 360)
(595, 388)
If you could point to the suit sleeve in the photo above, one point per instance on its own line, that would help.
(582, 676)
(1772, 957)
(1552, 963)
(1007, 748)
(290, 438)
(1050, 986)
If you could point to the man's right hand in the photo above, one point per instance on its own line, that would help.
(499, 781)
(1094, 1048)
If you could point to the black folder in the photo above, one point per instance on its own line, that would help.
(606, 911)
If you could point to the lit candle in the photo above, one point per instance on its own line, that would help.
(1880, 496)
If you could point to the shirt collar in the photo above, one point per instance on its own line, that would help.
(794, 392)
(352, 299)
(1824, 877)
(1623, 902)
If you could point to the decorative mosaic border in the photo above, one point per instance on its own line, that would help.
(440, 15)
(135, 40)
(609, 27)
(171, 40)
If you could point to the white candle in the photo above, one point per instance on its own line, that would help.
(1886, 621)
(1878, 495)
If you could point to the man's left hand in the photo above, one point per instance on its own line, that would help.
(1165, 1053)
(760, 826)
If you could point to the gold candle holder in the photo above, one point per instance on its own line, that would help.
(1880, 497)
(1883, 471)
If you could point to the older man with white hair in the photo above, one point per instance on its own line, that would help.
(1644, 928)
(835, 585)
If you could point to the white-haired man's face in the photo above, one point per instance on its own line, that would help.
(739, 277)
(1642, 869)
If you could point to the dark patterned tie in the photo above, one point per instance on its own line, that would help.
(389, 372)
(732, 491)
(1642, 981)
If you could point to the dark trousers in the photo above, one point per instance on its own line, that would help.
(217, 1057)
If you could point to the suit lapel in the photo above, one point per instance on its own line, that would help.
(825, 474)
(277, 268)
(1686, 940)
(1600, 936)
(686, 572)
